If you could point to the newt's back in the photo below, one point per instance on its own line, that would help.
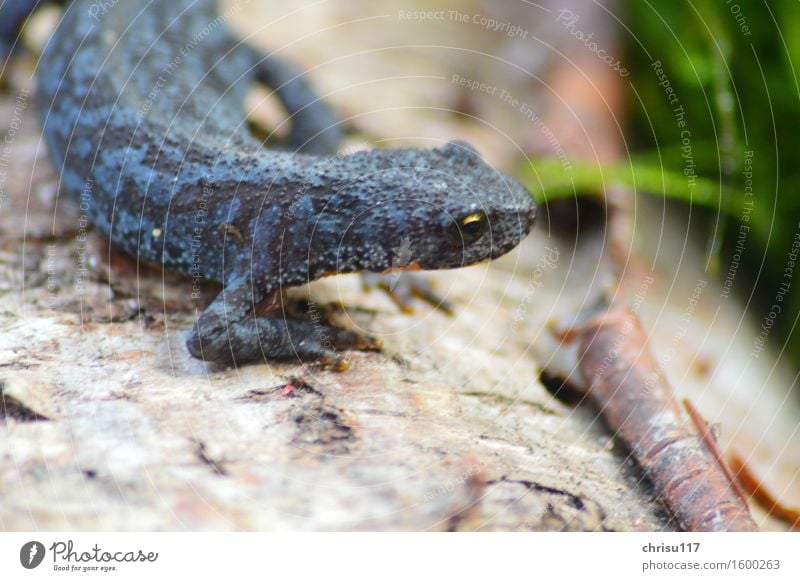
(140, 101)
(168, 64)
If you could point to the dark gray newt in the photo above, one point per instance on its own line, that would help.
(142, 109)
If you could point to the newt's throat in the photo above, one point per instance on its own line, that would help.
(412, 266)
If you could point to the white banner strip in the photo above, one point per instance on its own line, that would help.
(379, 556)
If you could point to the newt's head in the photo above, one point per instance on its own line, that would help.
(432, 209)
(477, 213)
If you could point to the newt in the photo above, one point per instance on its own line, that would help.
(142, 109)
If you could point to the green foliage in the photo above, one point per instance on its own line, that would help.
(547, 180)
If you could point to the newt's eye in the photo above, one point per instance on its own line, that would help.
(468, 229)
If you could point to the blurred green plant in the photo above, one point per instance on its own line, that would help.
(734, 69)
(547, 181)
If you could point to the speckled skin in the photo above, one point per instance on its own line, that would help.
(142, 108)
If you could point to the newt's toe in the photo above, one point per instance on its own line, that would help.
(404, 287)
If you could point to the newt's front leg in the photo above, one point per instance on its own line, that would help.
(244, 324)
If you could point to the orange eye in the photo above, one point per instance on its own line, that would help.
(468, 229)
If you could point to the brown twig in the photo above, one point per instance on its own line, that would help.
(710, 441)
(625, 382)
(761, 495)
